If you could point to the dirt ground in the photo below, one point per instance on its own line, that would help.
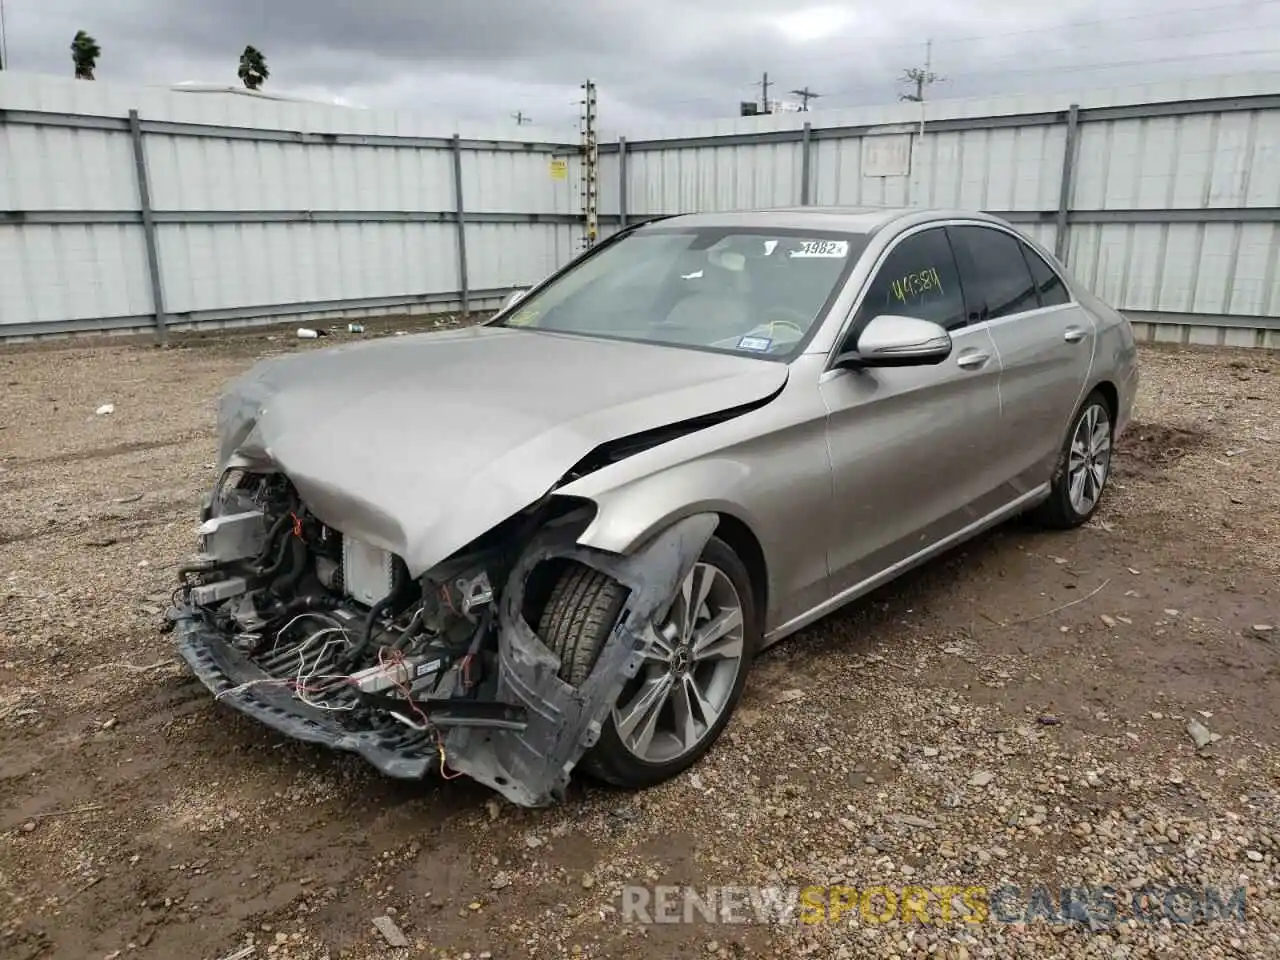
(1015, 713)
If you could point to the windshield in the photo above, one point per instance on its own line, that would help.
(740, 291)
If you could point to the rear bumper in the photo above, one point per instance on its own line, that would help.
(224, 670)
(1127, 392)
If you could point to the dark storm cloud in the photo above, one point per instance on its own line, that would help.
(652, 59)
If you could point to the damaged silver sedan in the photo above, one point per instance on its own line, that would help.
(555, 540)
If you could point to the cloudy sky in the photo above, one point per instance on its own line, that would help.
(651, 59)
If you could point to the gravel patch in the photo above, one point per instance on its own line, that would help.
(1092, 710)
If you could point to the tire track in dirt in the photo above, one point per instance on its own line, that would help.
(105, 453)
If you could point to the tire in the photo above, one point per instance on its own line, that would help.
(1062, 510)
(582, 610)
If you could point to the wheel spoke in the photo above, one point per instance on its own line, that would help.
(694, 592)
(656, 647)
(637, 721)
(1099, 472)
(1100, 439)
(719, 638)
(1078, 454)
(1078, 481)
(686, 704)
(694, 714)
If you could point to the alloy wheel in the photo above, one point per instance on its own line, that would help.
(692, 661)
(1089, 459)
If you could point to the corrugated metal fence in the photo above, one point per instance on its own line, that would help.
(121, 208)
(1165, 204)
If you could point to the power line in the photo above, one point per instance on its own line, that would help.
(521, 118)
(1164, 14)
(1103, 65)
(1056, 31)
(1198, 33)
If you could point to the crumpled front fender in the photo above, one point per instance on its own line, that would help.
(532, 767)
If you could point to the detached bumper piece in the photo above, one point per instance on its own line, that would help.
(393, 747)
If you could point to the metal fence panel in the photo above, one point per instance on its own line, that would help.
(45, 168)
(1163, 199)
(212, 266)
(261, 208)
(81, 271)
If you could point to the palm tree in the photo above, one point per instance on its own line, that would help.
(253, 68)
(85, 53)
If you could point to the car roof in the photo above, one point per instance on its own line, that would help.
(862, 220)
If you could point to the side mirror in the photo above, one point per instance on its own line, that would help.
(514, 297)
(893, 341)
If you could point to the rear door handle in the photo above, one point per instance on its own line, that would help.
(972, 361)
(1073, 335)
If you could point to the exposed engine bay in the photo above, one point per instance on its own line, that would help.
(329, 639)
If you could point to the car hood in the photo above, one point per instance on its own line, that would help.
(419, 444)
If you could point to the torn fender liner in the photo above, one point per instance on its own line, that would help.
(531, 767)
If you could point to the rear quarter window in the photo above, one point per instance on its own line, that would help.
(1049, 286)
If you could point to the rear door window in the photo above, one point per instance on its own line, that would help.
(997, 282)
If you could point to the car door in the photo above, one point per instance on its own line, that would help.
(1045, 344)
(911, 447)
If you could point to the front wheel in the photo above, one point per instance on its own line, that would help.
(1083, 467)
(670, 713)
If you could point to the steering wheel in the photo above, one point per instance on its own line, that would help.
(782, 317)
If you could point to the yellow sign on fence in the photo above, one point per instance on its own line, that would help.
(559, 168)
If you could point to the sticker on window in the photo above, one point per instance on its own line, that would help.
(757, 344)
(822, 248)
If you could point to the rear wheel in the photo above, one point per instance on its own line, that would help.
(675, 707)
(1083, 467)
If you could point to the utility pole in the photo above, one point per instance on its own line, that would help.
(764, 93)
(805, 96)
(590, 164)
(520, 118)
(920, 77)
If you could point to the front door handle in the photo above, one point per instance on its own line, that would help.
(972, 361)
(1073, 335)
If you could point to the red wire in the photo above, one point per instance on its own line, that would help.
(443, 772)
(397, 659)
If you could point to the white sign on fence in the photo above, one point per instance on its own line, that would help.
(886, 156)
